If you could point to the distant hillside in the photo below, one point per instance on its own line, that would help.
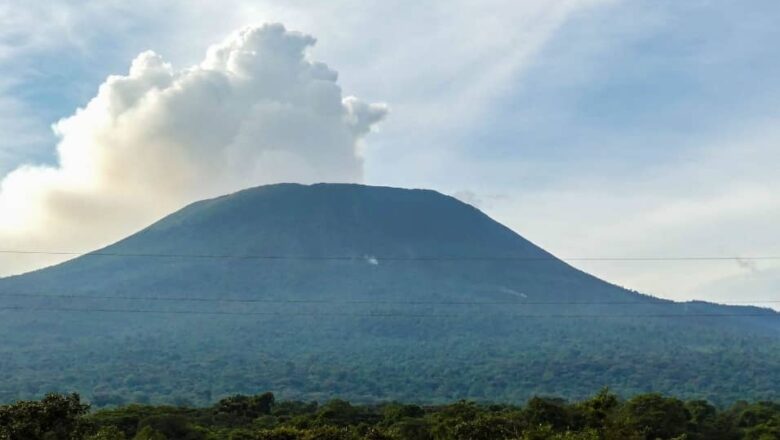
(366, 292)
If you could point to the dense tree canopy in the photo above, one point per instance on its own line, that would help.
(600, 417)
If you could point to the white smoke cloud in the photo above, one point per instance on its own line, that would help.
(255, 111)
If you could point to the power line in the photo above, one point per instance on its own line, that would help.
(387, 315)
(360, 301)
(384, 258)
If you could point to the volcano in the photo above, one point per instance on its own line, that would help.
(369, 293)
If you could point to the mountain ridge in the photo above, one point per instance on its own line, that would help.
(348, 277)
(205, 210)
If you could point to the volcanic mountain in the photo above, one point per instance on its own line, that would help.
(370, 293)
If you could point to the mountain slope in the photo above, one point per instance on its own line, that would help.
(322, 284)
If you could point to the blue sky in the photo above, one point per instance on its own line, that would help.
(594, 128)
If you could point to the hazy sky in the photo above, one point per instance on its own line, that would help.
(593, 128)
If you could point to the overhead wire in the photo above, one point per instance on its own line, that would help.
(656, 302)
(373, 260)
(387, 315)
(378, 258)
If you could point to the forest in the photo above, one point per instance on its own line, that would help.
(450, 305)
(431, 362)
(261, 417)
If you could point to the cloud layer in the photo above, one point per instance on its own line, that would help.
(256, 110)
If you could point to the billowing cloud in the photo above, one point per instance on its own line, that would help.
(256, 110)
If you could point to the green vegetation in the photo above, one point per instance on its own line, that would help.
(436, 362)
(490, 317)
(600, 417)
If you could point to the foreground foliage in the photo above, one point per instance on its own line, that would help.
(261, 417)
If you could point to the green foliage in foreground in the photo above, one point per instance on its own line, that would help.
(603, 416)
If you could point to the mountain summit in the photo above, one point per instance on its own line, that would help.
(364, 292)
(329, 240)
